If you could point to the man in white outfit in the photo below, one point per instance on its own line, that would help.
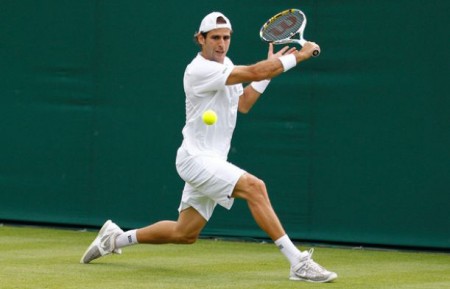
(212, 81)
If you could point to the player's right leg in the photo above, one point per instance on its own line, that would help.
(103, 244)
(184, 231)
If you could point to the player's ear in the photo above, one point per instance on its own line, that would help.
(201, 38)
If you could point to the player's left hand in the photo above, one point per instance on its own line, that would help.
(283, 51)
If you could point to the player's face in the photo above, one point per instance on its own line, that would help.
(215, 45)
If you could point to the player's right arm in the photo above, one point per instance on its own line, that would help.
(271, 67)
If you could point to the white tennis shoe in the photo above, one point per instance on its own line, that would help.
(308, 270)
(104, 243)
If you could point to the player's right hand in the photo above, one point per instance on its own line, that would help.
(309, 48)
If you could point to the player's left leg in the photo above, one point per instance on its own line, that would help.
(254, 191)
(303, 268)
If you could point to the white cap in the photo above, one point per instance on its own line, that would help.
(210, 22)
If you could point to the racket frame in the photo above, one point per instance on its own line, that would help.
(290, 38)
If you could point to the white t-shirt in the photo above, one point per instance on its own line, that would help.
(204, 85)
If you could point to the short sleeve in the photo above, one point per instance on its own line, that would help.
(210, 76)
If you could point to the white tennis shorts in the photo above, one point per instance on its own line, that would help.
(209, 181)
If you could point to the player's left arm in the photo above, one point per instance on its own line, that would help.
(248, 99)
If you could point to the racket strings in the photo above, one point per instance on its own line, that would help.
(282, 26)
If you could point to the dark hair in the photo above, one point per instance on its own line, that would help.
(204, 34)
(219, 20)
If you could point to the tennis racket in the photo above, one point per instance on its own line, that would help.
(283, 27)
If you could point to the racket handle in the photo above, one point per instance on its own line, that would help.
(315, 52)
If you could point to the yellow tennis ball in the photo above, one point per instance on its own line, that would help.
(209, 117)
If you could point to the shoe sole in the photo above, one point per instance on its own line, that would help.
(100, 233)
(329, 279)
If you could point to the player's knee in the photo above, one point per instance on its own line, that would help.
(257, 188)
(251, 189)
(259, 185)
(187, 238)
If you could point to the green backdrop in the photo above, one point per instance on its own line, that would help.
(353, 145)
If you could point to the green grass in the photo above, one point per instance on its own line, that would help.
(49, 258)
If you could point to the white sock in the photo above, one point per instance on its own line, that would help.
(128, 238)
(289, 250)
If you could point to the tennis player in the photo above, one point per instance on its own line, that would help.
(211, 81)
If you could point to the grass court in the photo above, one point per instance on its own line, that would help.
(32, 257)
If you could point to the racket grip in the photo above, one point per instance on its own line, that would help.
(315, 52)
